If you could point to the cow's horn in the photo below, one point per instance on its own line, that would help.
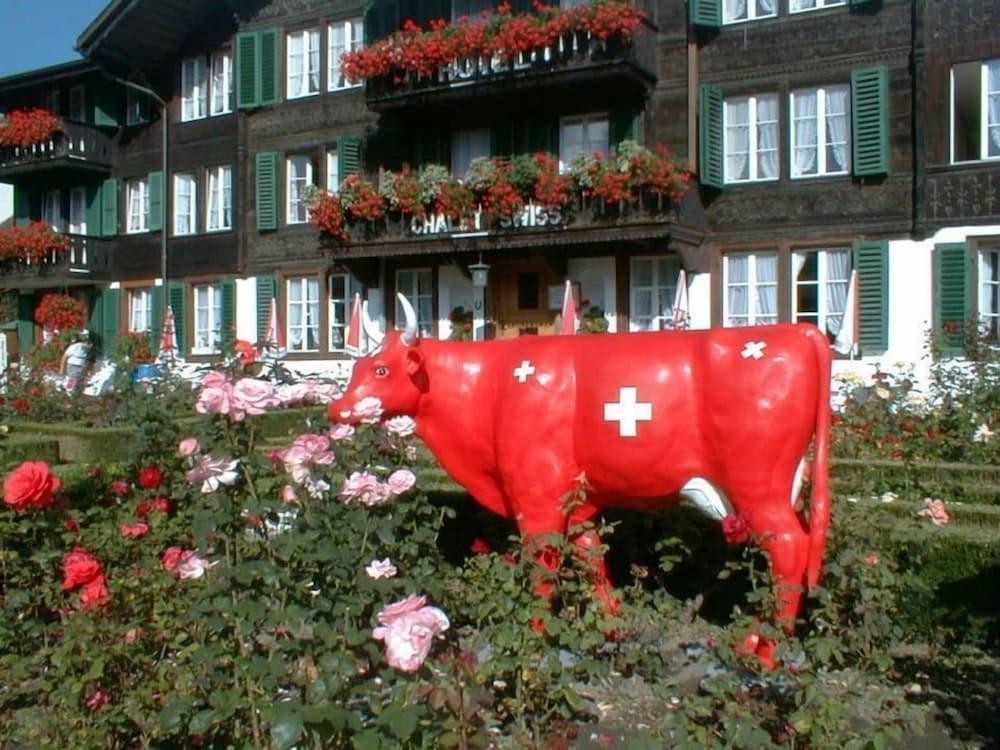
(369, 325)
(410, 333)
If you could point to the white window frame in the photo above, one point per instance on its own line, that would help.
(751, 284)
(52, 212)
(586, 121)
(221, 63)
(308, 305)
(663, 291)
(140, 305)
(821, 283)
(185, 181)
(309, 37)
(984, 114)
(133, 107)
(213, 309)
(353, 36)
(219, 218)
(822, 92)
(136, 223)
(752, 12)
(194, 89)
(293, 200)
(332, 171)
(426, 327)
(335, 304)
(820, 5)
(78, 210)
(753, 139)
(988, 321)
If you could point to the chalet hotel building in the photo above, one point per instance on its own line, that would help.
(822, 135)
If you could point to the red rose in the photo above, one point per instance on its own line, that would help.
(30, 485)
(95, 594)
(736, 529)
(79, 569)
(158, 504)
(150, 477)
(94, 472)
(135, 530)
(71, 524)
(119, 487)
(480, 547)
(97, 699)
(172, 558)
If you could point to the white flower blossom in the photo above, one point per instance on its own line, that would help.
(381, 569)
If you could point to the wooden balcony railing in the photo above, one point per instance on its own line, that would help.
(79, 144)
(88, 259)
(576, 52)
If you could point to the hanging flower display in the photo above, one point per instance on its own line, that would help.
(26, 127)
(503, 35)
(35, 243)
(60, 312)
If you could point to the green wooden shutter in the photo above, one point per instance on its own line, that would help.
(870, 120)
(228, 288)
(952, 270)
(707, 13)
(710, 136)
(93, 215)
(109, 318)
(348, 155)
(502, 140)
(859, 2)
(96, 318)
(871, 260)
(267, 191)
(370, 23)
(156, 219)
(267, 289)
(267, 42)
(107, 108)
(624, 125)
(176, 294)
(157, 313)
(22, 206)
(387, 18)
(109, 207)
(432, 10)
(247, 94)
(25, 324)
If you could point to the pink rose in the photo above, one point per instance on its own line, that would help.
(214, 379)
(401, 481)
(214, 400)
(297, 462)
(400, 426)
(192, 565)
(318, 447)
(365, 488)
(288, 494)
(342, 432)
(188, 446)
(408, 636)
(213, 472)
(381, 569)
(936, 511)
(368, 409)
(397, 609)
(135, 530)
(254, 397)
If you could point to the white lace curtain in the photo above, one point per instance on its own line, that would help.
(836, 129)
(766, 271)
(804, 126)
(303, 63)
(767, 137)
(993, 94)
(736, 9)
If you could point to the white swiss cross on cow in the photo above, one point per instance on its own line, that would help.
(524, 371)
(628, 411)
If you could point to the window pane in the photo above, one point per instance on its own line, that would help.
(642, 272)
(804, 133)
(966, 111)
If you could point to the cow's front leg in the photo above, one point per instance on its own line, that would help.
(588, 549)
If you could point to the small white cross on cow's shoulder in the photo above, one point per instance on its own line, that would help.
(524, 371)
(628, 411)
(754, 349)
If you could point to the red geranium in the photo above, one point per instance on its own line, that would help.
(245, 352)
(150, 477)
(30, 485)
(327, 215)
(35, 243)
(26, 127)
(60, 312)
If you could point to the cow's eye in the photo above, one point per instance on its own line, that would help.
(381, 371)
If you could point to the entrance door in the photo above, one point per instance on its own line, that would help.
(521, 293)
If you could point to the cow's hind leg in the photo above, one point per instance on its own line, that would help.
(779, 530)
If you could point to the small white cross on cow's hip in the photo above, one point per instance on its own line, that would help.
(524, 371)
(628, 412)
(753, 349)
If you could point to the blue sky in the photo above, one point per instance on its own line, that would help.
(37, 33)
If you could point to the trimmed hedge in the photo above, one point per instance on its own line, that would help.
(81, 443)
(969, 483)
(17, 448)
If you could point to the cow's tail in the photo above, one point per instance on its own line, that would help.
(819, 505)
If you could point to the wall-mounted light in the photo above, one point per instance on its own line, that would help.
(479, 273)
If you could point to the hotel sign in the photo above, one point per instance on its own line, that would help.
(530, 217)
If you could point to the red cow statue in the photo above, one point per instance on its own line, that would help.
(722, 416)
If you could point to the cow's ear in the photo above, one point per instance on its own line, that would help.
(414, 361)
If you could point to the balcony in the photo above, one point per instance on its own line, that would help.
(78, 147)
(88, 261)
(613, 63)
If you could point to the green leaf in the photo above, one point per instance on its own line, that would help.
(201, 722)
(286, 731)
